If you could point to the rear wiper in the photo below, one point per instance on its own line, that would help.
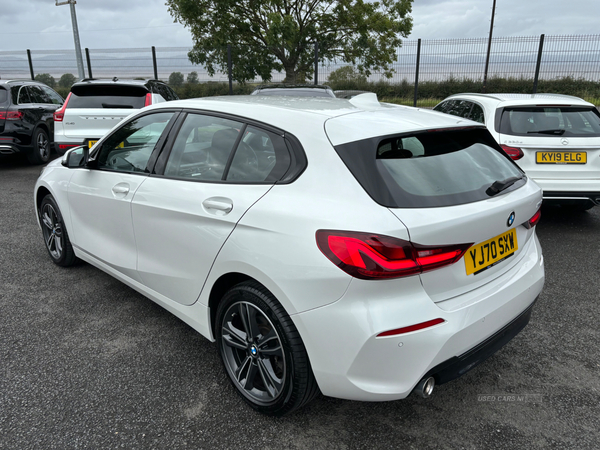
(558, 132)
(500, 185)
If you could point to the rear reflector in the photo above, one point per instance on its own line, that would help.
(371, 256)
(410, 328)
(59, 114)
(67, 146)
(534, 219)
(514, 152)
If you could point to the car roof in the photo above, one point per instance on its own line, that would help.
(299, 114)
(523, 99)
(22, 81)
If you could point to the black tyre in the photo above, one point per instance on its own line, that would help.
(262, 351)
(41, 147)
(55, 234)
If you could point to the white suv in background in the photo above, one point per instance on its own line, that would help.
(554, 138)
(93, 107)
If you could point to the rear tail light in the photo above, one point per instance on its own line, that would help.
(67, 146)
(11, 115)
(59, 114)
(148, 101)
(514, 152)
(534, 220)
(371, 256)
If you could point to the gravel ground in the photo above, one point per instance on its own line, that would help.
(86, 362)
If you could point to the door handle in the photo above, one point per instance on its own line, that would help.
(218, 205)
(121, 188)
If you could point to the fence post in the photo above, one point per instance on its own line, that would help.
(229, 69)
(89, 63)
(489, 48)
(154, 62)
(30, 64)
(537, 66)
(316, 62)
(417, 72)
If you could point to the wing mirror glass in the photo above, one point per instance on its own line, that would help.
(76, 157)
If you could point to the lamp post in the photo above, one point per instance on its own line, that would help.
(75, 36)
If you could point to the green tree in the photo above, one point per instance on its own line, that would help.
(269, 35)
(67, 80)
(192, 77)
(46, 78)
(176, 79)
(346, 74)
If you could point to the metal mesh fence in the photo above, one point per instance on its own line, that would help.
(441, 59)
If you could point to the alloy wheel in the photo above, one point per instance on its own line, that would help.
(43, 146)
(53, 232)
(253, 353)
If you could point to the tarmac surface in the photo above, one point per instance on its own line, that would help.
(86, 362)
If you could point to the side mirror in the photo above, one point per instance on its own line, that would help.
(76, 157)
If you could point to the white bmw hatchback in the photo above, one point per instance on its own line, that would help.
(554, 138)
(361, 249)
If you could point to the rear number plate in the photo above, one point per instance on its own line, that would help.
(561, 157)
(484, 255)
(91, 143)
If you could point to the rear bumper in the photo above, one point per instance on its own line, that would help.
(574, 190)
(350, 361)
(459, 365)
(570, 197)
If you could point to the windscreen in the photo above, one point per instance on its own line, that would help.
(103, 96)
(550, 121)
(431, 168)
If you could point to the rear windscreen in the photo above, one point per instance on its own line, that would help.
(431, 168)
(550, 121)
(3, 96)
(101, 96)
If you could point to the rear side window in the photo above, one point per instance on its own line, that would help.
(429, 169)
(107, 96)
(550, 121)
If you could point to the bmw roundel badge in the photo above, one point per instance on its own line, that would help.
(511, 219)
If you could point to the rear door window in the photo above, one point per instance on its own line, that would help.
(550, 121)
(52, 96)
(430, 169)
(37, 95)
(477, 113)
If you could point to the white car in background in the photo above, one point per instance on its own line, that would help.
(94, 106)
(554, 138)
(360, 249)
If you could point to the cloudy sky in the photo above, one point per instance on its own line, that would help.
(106, 24)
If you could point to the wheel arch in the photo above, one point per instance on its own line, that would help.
(218, 290)
(44, 126)
(41, 192)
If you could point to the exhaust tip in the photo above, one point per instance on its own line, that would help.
(425, 387)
